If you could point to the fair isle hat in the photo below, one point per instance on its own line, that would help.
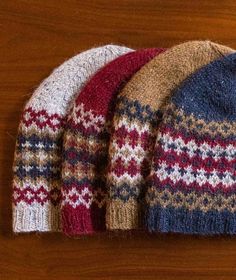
(193, 178)
(135, 122)
(37, 162)
(86, 142)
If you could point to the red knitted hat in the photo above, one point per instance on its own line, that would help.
(86, 142)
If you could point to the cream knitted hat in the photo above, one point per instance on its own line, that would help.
(37, 162)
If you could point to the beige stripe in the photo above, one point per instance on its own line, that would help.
(134, 124)
(81, 171)
(45, 132)
(40, 157)
(191, 201)
(221, 129)
(36, 184)
(82, 142)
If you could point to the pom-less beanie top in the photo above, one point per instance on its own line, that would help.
(138, 110)
(37, 162)
(86, 142)
(193, 178)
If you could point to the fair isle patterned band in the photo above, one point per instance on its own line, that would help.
(130, 153)
(194, 180)
(83, 195)
(37, 163)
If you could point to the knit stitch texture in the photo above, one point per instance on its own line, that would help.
(193, 178)
(37, 162)
(138, 110)
(86, 140)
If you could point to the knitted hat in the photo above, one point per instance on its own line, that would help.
(135, 123)
(193, 179)
(86, 145)
(37, 163)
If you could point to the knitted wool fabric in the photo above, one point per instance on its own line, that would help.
(86, 145)
(135, 123)
(37, 163)
(193, 180)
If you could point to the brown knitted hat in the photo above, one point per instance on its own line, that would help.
(138, 110)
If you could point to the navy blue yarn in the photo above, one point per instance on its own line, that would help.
(210, 93)
(74, 181)
(124, 192)
(134, 110)
(34, 141)
(181, 220)
(89, 133)
(34, 171)
(84, 156)
(96, 183)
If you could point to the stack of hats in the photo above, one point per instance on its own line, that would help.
(122, 139)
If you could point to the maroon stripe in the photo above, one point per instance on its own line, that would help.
(182, 185)
(34, 117)
(122, 136)
(120, 167)
(196, 162)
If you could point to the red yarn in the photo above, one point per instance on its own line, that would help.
(106, 84)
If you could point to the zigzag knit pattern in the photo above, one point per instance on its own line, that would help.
(86, 144)
(193, 178)
(135, 122)
(37, 163)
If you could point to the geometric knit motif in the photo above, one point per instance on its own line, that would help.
(135, 122)
(86, 140)
(193, 178)
(130, 153)
(37, 163)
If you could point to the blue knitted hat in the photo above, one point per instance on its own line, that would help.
(193, 179)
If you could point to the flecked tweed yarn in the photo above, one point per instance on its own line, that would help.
(86, 142)
(137, 113)
(37, 163)
(193, 179)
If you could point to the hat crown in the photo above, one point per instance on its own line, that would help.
(210, 93)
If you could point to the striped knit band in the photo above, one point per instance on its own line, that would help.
(37, 163)
(135, 122)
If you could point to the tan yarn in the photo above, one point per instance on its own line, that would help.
(154, 82)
